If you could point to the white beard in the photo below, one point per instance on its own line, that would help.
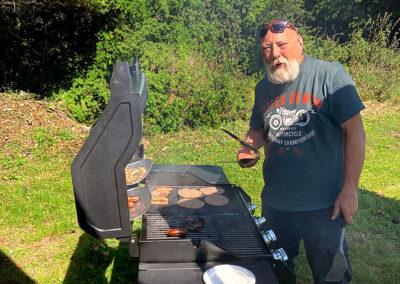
(283, 74)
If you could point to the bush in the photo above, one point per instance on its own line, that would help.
(194, 78)
(375, 64)
(45, 44)
(187, 89)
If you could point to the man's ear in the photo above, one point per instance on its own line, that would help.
(300, 39)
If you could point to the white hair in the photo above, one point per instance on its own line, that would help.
(284, 74)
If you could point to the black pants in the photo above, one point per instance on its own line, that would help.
(320, 235)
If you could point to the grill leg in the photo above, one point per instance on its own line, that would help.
(133, 247)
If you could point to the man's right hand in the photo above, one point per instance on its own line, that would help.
(247, 158)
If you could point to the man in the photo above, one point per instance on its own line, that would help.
(307, 116)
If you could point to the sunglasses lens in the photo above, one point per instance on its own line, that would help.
(279, 26)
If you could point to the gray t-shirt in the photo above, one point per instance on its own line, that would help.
(304, 169)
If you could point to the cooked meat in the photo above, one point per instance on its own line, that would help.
(189, 193)
(159, 200)
(161, 191)
(133, 198)
(191, 203)
(216, 200)
(134, 175)
(177, 232)
(210, 190)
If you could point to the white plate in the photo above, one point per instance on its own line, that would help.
(228, 274)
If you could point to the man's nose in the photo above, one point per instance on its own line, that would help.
(276, 51)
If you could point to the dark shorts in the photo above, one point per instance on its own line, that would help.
(319, 233)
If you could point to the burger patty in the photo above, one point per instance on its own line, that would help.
(159, 200)
(210, 190)
(189, 193)
(192, 203)
(161, 191)
(216, 200)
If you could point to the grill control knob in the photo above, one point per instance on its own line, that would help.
(279, 254)
(269, 236)
(259, 221)
(251, 207)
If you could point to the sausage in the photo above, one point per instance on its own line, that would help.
(177, 232)
(133, 198)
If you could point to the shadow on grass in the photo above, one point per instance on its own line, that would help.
(374, 242)
(10, 272)
(94, 261)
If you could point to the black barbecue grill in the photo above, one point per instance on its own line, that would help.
(228, 233)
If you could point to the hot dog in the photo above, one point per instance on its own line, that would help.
(133, 198)
(177, 232)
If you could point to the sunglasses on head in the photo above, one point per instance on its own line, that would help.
(276, 26)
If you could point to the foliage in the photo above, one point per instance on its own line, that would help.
(374, 62)
(45, 44)
(190, 59)
(201, 58)
(337, 17)
(187, 89)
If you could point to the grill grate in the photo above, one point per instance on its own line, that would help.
(232, 232)
(157, 226)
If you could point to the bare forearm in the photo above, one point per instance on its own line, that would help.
(354, 154)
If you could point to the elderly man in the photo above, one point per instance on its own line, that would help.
(307, 116)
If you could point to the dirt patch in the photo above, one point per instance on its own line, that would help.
(22, 116)
(395, 134)
(375, 108)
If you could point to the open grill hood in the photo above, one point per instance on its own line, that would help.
(98, 171)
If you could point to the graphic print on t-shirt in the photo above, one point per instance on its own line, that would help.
(288, 119)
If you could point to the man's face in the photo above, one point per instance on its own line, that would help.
(282, 53)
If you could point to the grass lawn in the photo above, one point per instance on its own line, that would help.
(40, 240)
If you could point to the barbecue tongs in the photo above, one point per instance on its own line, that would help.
(247, 145)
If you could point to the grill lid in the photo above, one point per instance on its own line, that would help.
(98, 170)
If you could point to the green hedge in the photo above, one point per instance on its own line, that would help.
(201, 58)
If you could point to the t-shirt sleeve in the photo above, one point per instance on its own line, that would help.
(256, 119)
(344, 101)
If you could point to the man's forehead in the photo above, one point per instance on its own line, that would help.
(287, 35)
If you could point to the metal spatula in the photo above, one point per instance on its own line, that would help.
(339, 264)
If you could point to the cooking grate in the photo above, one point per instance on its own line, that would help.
(232, 232)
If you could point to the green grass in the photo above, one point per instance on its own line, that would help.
(41, 241)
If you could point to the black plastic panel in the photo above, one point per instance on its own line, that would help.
(98, 171)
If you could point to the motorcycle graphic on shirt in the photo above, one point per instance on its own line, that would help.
(289, 118)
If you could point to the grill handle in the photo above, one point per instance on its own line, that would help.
(279, 254)
(251, 207)
(259, 220)
(269, 236)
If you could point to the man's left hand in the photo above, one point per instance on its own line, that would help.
(347, 203)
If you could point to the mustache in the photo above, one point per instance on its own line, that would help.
(277, 61)
(280, 75)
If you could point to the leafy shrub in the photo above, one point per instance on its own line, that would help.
(187, 89)
(45, 44)
(201, 58)
(191, 65)
(375, 63)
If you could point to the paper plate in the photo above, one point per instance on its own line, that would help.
(228, 274)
